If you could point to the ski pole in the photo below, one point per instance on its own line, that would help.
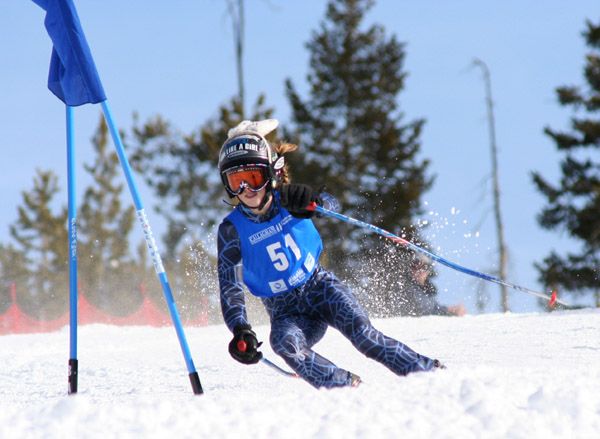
(552, 298)
(278, 369)
(243, 347)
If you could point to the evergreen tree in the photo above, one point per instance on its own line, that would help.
(109, 275)
(353, 139)
(13, 270)
(573, 205)
(42, 256)
(182, 169)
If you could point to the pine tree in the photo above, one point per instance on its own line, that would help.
(108, 273)
(42, 244)
(182, 169)
(573, 205)
(353, 140)
(13, 270)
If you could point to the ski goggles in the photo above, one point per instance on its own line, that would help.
(253, 177)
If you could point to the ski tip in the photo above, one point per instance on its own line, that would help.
(553, 297)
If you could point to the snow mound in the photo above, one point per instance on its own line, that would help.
(508, 376)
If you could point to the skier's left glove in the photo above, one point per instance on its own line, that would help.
(244, 345)
(297, 197)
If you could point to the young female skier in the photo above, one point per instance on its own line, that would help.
(269, 243)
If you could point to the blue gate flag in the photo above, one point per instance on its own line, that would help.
(73, 77)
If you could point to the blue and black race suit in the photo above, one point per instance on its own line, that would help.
(276, 256)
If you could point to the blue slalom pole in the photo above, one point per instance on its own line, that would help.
(72, 240)
(151, 243)
(552, 299)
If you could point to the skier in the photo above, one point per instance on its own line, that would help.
(419, 294)
(269, 243)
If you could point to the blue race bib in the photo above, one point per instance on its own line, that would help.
(277, 255)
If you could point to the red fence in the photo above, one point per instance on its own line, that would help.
(15, 321)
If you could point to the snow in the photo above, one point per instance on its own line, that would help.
(508, 376)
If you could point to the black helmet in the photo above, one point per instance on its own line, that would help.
(246, 146)
(244, 149)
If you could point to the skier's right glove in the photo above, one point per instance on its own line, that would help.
(244, 345)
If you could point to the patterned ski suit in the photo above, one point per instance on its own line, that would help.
(300, 312)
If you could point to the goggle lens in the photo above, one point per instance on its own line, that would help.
(253, 178)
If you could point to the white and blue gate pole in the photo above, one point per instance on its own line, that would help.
(151, 243)
(72, 240)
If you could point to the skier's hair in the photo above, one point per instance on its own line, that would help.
(283, 148)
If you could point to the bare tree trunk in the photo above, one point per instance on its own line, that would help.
(237, 19)
(502, 257)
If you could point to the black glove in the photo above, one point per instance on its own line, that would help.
(296, 197)
(244, 345)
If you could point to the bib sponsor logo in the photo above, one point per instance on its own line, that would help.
(264, 234)
(269, 231)
(277, 286)
(309, 263)
(297, 277)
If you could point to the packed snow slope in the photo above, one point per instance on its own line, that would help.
(508, 376)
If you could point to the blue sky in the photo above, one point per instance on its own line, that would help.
(176, 58)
